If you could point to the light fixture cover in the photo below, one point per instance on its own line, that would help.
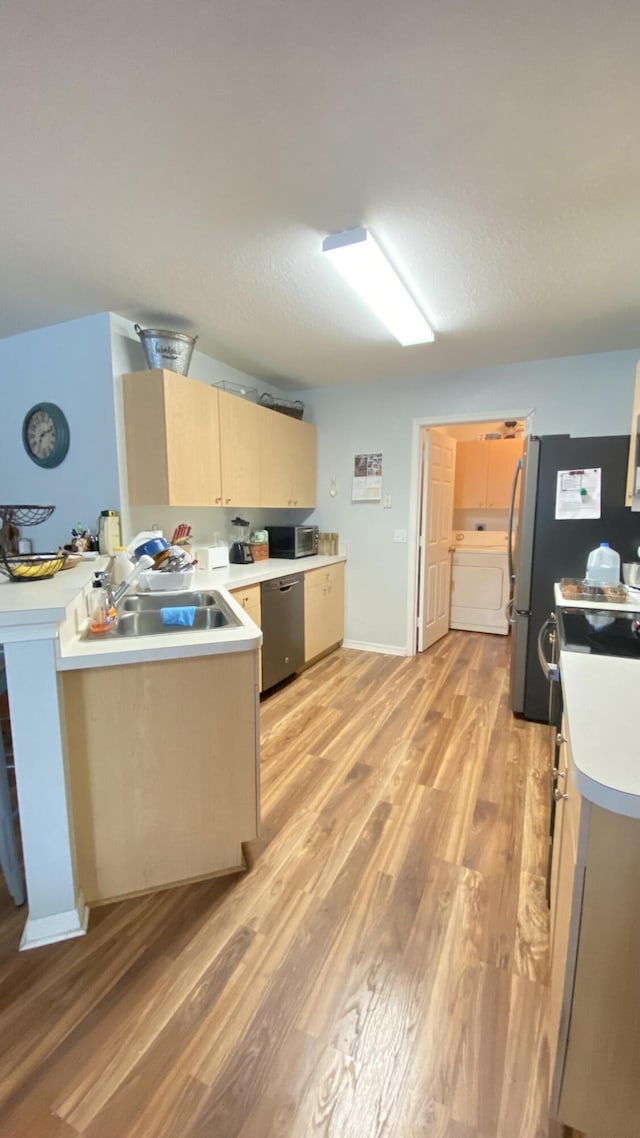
(358, 257)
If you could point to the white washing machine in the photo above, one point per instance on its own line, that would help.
(479, 581)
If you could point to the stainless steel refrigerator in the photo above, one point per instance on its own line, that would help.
(544, 549)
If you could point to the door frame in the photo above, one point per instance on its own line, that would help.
(442, 421)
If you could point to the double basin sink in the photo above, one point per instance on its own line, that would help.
(139, 614)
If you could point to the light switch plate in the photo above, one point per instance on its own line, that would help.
(386, 502)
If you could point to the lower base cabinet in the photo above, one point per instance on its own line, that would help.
(163, 771)
(323, 610)
(595, 968)
(250, 599)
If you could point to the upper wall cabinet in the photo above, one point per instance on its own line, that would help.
(240, 428)
(189, 444)
(287, 461)
(171, 432)
(484, 473)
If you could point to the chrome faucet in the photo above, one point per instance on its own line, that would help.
(116, 595)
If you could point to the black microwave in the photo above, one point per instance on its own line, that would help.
(293, 541)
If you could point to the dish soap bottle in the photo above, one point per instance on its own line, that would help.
(603, 566)
(100, 612)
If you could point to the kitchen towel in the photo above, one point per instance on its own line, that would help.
(178, 614)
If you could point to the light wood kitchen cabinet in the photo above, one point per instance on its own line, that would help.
(567, 877)
(323, 610)
(484, 473)
(163, 770)
(595, 979)
(189, 444)
(287, 461)
(250, 599)
(171, 434)
(240, 427)
(472, 468)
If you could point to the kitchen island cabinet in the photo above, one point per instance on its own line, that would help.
(595, 980)
(163, 771)
(595, 902)
(323, 610)
(64, 753)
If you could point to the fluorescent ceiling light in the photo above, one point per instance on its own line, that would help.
(360, 260)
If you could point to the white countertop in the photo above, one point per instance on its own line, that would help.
(42, 602)
(600, 694)
(60, 601)
(234, 576)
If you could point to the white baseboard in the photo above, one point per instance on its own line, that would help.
(58, 926)
(384, 649)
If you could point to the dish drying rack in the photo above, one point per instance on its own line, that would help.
(28, 566)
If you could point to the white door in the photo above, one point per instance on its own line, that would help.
(436, 521)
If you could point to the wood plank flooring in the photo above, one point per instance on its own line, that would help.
(380, 972)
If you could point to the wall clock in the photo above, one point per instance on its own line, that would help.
(45, 434)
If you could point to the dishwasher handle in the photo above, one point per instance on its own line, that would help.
(280, 584)
(285, 586)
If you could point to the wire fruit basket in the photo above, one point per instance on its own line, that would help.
(32, 566)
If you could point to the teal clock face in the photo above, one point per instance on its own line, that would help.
(45, 434)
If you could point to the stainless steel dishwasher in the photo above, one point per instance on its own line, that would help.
(282, 628)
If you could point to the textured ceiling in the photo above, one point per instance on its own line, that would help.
(180, 163)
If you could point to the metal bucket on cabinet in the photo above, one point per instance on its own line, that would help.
(171, 350)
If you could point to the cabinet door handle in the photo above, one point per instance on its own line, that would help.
(558, 795)
(555, 773)
(227, 500)
(218, 499)
(560, 739)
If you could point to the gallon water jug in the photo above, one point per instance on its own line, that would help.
(603, 566)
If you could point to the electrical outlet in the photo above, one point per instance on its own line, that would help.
(386, 502)
(400, 535)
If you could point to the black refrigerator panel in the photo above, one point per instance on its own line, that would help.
(560, 548)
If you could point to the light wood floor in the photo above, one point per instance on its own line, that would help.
(381, 971)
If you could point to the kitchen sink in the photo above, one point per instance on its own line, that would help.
(150, 623)
(153, 602)
(139, 614)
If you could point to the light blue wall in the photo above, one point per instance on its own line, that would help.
(68, 364)
(586, 395)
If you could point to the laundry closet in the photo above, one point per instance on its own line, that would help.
(486, 459)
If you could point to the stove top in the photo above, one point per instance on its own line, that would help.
(601, 632)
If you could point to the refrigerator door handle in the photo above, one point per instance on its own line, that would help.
(508, 611)
(548, 630)
(512, 506)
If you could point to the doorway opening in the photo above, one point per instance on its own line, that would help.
(462, 480)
